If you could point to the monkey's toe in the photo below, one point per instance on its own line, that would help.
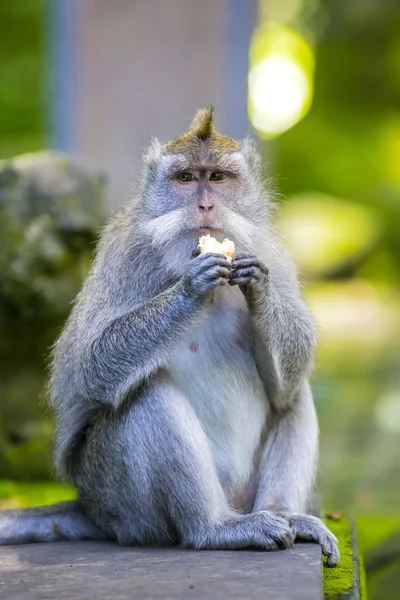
(265, 543)
(278, 530)
(307, 527)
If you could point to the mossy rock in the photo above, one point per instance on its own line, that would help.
(347, 579)
(51, 210)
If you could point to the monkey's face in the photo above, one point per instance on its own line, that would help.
(188, 197)
(204, 187)
(218, 194)
(197, 185)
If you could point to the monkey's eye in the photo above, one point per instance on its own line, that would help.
(217, 176)
(185, 177)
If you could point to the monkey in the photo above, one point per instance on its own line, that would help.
(180, 382)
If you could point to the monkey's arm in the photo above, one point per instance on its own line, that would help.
(137, 344)
(284, 343)
(284, 333)
(283, 346)
(111, 344)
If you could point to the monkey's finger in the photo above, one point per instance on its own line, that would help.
(334, 558)
(265, 542)
(216, 271)
(204, 261)
(245, 264)
(331, 550)
(218, 281)
(247, 272)
(252, 261)
(247, 259)
(242, 256)
(241, 280)
(332, 553)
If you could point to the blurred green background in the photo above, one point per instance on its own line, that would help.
(333, 152)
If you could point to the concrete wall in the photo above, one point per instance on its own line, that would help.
(126, 70)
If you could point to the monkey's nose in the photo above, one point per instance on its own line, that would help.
(205, 206)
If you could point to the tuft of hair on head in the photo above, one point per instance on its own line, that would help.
(202, 125)
(202, 134)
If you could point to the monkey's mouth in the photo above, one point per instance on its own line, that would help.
(208, 229)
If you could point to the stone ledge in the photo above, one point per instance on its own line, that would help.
(104, 570)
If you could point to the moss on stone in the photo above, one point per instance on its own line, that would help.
(338, 580)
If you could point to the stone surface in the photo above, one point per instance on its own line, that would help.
(103, 570)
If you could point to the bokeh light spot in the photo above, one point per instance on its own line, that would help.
(279, 89)
(280, 79)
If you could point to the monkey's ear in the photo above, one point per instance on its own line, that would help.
(152, 156)
(250, 151)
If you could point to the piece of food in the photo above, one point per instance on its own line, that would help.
(209, 244)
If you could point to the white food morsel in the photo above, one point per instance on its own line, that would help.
(209, 244)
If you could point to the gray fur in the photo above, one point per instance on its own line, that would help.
(184, 413)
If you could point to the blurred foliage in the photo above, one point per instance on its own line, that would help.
(15, 494)
(329, 236)
(22, 76)
(339, 193)
(379, 539)
(51, 208)
(338, 176)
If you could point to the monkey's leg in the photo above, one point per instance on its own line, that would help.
(146, 476)
(287, 472)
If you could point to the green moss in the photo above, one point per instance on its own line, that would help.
(338, 580)
(15, 494)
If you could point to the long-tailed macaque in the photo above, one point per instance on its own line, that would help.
(180, 382)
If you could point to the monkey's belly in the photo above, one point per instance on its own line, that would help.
(229, 400)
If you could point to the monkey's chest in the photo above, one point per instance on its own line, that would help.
(216, 371)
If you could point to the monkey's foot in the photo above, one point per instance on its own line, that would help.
(307, 527)
(271, 532)
(256, 530)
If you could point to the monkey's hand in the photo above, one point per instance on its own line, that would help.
(307, 527)
(249, 273)
(205, 272)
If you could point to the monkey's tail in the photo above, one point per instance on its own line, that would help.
(61, 521)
